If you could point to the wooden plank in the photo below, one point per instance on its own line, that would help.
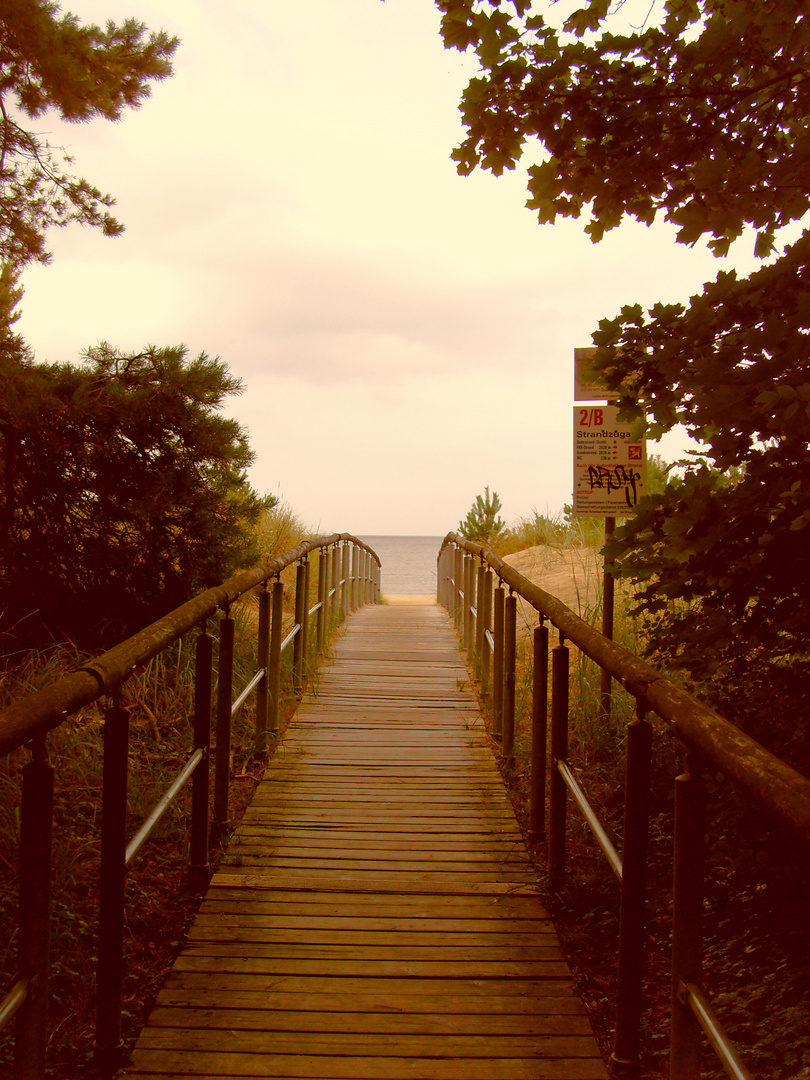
(376, 915)
(255, 1017)
(191, 993)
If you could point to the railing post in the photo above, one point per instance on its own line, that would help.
(486, 622)
(222, 771)
(687, 920)
(469, 625)
(335, 604)
(537, 794)
(36, 829)
(352, 563)
(298, 640)
(497, 662)
(346, 595)
(274, 662)
(323, 597)
(203, 695)
(626, 1044)
(458, 589)
(480, 577)
(559, 752)
(262, 662)
(509, 663)
(108, 1046)
(608, 593)
(304, 635)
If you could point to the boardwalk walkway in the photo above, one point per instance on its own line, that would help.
(375, 918)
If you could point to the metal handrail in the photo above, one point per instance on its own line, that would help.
(154, 819)
(593, 822)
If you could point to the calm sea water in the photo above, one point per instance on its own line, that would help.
(408, 563)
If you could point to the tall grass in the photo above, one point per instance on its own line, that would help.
(559, 531)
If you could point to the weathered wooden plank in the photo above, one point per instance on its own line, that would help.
(371, 1043)
(228, 959)
(501, 908)
(348, 986)
(301, 1066)
(216, 925)
(193, 992)
(373, 884)
(258, 1017)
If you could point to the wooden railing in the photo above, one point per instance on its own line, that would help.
(348, 577)
(486, 621)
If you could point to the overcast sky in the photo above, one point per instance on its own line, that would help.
(405, 335)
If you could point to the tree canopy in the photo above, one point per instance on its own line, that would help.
(122, 491)
(52, 61)
(698, 117)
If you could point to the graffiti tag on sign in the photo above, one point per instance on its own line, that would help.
(610, 464)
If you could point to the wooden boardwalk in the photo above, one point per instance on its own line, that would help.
(375, 917)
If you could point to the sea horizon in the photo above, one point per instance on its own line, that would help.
(408, 562)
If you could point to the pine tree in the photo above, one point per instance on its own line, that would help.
(52, 61)
(482, 523)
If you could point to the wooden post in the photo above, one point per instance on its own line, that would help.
(626, 1044)
(262, 662)
(304, 635)
(274, 661)
(509, 663)
(497, 663)
(222, 757)
(480, 578)
(108, 1046)
(559, 752)
(36, 828)
(486, 620)
(687, 920)
(537, 794)
(323, 597)
(198, 870)
(469, 593)
(608, 594)
(346, 582)
(298, 640)
(335, 605)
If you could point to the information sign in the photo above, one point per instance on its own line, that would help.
(588, 385)
(610, 463)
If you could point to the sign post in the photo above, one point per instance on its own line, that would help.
(610, 474)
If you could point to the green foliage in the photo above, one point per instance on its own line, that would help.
(701, 120)
(122, 490)
(51, 61)
(482, 523)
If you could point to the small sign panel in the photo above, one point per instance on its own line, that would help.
(588, 385)
(610, 463)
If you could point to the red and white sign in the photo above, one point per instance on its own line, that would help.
(610, 463)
